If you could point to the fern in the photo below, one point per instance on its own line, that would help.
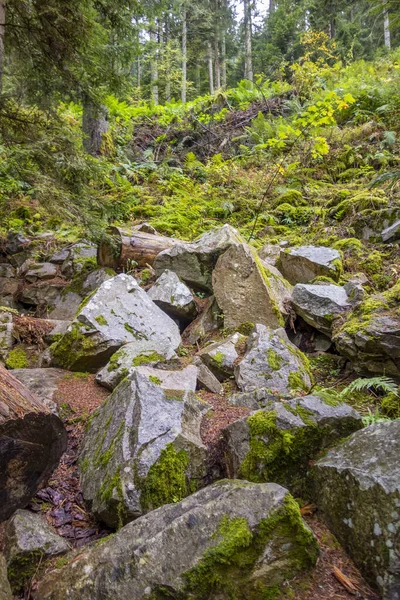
(375, 417)
(382, 384)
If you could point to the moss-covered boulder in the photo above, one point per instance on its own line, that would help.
(117, 313)
(5, 589)
(357, 488)
(318, 305)
(142, 449)
(230, 540)
(221, 356)
(271, 361)
(28, 540)
(305, 263)
(247, 290)
(370, 335)
(194, 262)
(277, 442)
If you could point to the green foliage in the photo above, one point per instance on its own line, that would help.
(17, 359)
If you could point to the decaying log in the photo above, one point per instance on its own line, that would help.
(32, 440)
(118, 247)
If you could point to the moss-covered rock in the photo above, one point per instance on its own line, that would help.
(305, 263)
(277, 442)
(231, 540)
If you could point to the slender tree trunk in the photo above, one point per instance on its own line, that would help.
(223, 60)
(184, 52)
(210, 68)
(217, 64)
(94, 126)
(2, 29)
(386, 26)
(198, 79)
(168, 61)
(154, 64)
(248, 60)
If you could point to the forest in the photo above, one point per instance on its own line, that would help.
(199, 299)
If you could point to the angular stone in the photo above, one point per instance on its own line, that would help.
(277, 442)
(206, 378)
(183, 379)
(270, 254)
(40, 271)
(5, 589)
(8, 292)
(59, 328)
(95, 279)
(303, 264)
(146, 228)
(6, 270)
(65, 306)
(142, 450)
(42, 293)
(129, 357)
(173, 296)
(28, 540)
(259, 398)
(370, 335)
(318, 305)
(6, 333)
(248, 290)
(357, 488)
(391, 233)
(208, 320)
(119, 312)
(42, 382)
(271, 361)
(78, 254)
(229, 540)
(194, 262)
(16, 242)
(221, 357)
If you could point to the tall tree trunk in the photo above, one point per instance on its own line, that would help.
(210, 68)
(184, 52)
(386, 26)
(94, 126)
(198, 79)
(2, 29)
(217, 64)
(154, 64)
(248, 60)
(168, 60)
(223, 60)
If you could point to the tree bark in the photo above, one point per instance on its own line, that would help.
(223, 60)
(154, 64)
(210, 68)
(386, 26)
(32, 440)
(184, 52)
(119, 247)
(248, 59)
(94, 126)
(2, 31)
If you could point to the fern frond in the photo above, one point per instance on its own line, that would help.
(383, 384)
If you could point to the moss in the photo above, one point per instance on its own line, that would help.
(352, 245)
(147, 358)
(73, 347)
(324, 279)
(101, 320)
(114, 360)
(300, 411)
(61, 562)
(87, 265)
(296, 381)
(113, 484)
(166, 480)
(146, 276)
(390, 405)
(17, 359)
(155, 379)
(274, 360)
(218, 358)
(245, 328)
(22, 568)
(227, 567)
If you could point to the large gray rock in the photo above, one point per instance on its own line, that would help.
(370, 335)
(357, 487)
(248, 290)
(142, 449)
(129, 357)
(173, 296)
(206, 378)
(208, 320)
(180, 379)
(119, 312)
(5, 589)
(65, 306)
(16, 242)
(277, 443)
(40, 271)
(28, 540)
(230, 540)
(303, 264)
(318, 305)
(59, 328)
(42, 293)
(271, 361)
(194, 262)
(391, 233)
(78, 255)
(221, 356)
(42, 382)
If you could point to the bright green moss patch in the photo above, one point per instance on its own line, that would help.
(147, 358)
(155, 379)
(17, 359)
(274, 360)
(73, 347)
(166, 480)
(101, 320)
(296, 381)
(218, 358)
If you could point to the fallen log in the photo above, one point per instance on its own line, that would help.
(32, 440)
(118, 247)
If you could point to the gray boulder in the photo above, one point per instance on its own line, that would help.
(357, 488)
(28, 540)
(180, 379)
(6, 333)
(391, 233)
(142, 450)
(303, 264)
(65, 306)
(220, 357)
(271, 361)
(318, 305)
(258, 398)
(5, 589)
(119, 312)
(277, 443)
(59, 328)
(78, 255)
(208, 320)
(173, 296)
(248, 290)
(370, 335)
(129, 357)
(229, 540)
(8, 292)
(194, 262)
(42, 293)
(42, 382)
(206, 378)
(40, 272)
(269, 253)
(16, 242)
